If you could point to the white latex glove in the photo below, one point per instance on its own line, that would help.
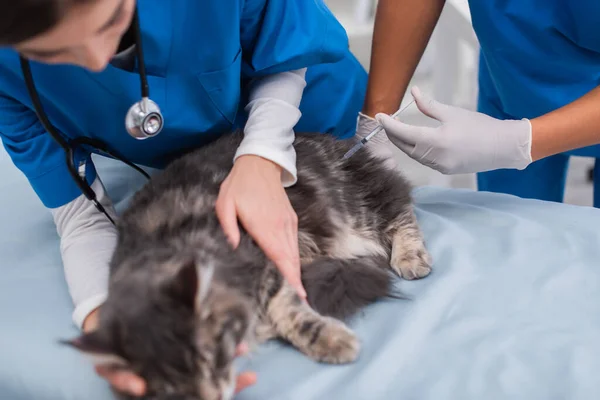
(379, 145)
(466, 141)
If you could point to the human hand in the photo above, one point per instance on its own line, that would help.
(253, 193)
(128, 382)
(465, 142)
(123, 381)
(379, 145)
(134, 385)
(90, 322)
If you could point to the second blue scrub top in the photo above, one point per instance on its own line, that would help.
(536, 55)
(200, 57)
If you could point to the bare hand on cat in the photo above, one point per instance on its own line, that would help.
(132, 384)
(254, 195)
(128, 382)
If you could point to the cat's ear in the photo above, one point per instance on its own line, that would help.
(98, 349)
(184, 285)
(191, 284)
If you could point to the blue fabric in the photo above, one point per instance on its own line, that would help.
(200, 57)
(511, 310)
(543, 180)
(536, 56)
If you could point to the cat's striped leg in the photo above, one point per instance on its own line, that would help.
(321, 338)
(410, 259)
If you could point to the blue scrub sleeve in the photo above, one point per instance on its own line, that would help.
(285, 35)
(37, 155)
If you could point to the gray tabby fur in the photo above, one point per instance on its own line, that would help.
(181, 299)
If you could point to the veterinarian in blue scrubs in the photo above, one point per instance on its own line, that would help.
(540, 61)
(266, 66)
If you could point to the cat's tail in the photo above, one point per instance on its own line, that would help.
(340, 288)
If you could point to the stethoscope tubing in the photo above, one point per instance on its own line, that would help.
(70, 145)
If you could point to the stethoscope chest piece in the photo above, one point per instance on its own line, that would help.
(144, 119)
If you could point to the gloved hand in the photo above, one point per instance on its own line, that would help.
(466, 141)
(379, 145)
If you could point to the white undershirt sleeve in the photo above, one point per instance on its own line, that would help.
(87, 242)
(87, 237)
(273, 112)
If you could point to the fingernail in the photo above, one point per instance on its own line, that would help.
(243, 347)
(136, 388)
(415, 91)
(233, 241)
(302, 292)
(378, 117)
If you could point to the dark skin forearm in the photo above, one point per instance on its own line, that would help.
(402, 31)
(573, 126)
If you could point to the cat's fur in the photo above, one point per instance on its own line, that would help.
(181, 299)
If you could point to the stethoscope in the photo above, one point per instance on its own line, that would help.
(144, 120)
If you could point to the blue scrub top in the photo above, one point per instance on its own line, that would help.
(536, 55)
(200, 57)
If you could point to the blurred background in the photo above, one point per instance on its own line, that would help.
(448, 72)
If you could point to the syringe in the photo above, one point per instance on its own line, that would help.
(374, 132)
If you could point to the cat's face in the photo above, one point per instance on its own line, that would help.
(179, 331)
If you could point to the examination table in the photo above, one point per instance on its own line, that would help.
(511, 310)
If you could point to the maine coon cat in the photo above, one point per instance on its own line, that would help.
(181, 299)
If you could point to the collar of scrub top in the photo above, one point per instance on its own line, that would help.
(70, 146)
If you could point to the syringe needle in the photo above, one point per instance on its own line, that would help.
(375, 131)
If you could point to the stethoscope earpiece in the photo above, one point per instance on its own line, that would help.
(144, 119)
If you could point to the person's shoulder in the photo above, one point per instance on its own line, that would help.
(11, 75)
(9, 59)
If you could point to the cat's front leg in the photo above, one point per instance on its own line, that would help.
(321, 338)
(410, 258)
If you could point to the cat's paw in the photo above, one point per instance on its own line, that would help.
(411, 263)
(264, 332)
(335, 344)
